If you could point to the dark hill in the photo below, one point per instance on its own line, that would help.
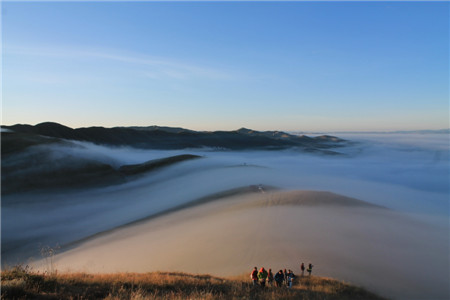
(155, 137)
(155, 164)
(41, 168)
(25, 168)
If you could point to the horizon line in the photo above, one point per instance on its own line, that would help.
(296, 131)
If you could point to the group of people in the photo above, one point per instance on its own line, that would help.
(309, 270)
(281, 277)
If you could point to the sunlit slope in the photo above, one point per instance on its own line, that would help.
(20, 284)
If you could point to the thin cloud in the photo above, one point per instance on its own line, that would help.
(157, 66)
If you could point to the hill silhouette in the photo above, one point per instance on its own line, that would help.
(155, 137)
(40, 170)
(26, 168)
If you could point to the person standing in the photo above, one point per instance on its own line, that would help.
(310, 266)
(302, 267)
(270, 277)
(285, 277)
(290, 278)
(262, 276)
(279, 278)
(254, 276)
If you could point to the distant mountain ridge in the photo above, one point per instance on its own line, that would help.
(26, 168)
(422, 131)
(156, 137)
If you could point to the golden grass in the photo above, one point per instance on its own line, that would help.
(20, 283)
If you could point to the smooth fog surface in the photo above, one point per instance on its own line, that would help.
(376, 248)
(408, 174)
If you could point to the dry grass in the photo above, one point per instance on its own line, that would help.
(20, 283)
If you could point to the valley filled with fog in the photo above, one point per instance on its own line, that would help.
(406, 175)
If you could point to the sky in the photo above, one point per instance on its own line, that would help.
(292, 66)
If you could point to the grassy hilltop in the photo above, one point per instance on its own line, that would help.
(19, 283)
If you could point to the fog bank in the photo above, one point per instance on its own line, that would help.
(407, 174)
(376, 248)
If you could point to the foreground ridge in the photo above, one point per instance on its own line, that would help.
(20, 283)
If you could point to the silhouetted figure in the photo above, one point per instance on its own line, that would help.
(262, 276)
(285, 277)
(279, 278)
(302, 267)
(310, 269)
(290, 278)
(254, 276)
(270, 277)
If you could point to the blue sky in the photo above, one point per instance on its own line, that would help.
(216, 65)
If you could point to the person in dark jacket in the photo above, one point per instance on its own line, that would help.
(302, 268)
(290, 278)
(279, 278)
(270, 278)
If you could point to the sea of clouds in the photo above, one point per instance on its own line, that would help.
(408, 173)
